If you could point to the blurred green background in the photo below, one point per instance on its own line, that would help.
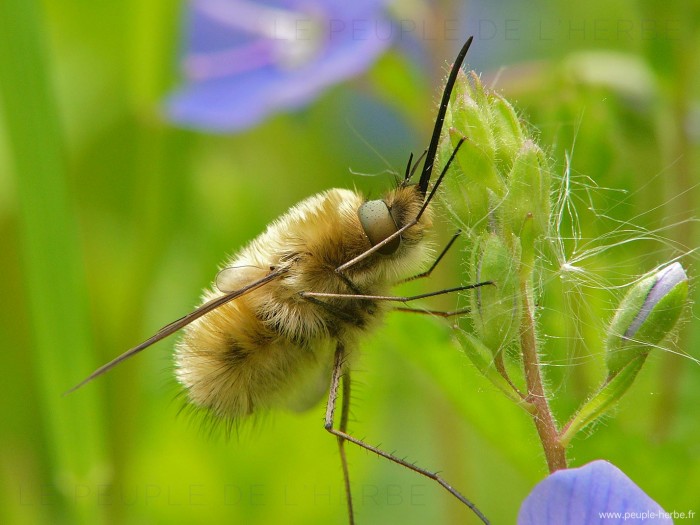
(113, 221)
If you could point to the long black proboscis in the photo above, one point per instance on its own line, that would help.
(437, 130)
(173, 327)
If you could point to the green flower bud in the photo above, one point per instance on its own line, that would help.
(469, 114)
(646, 315)
(528, 192)
(506, 130)
(496, 165)
(468, 199)
(495, 310)
(477, 156)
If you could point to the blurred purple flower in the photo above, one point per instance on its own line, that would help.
(245, 59)
(597, 493)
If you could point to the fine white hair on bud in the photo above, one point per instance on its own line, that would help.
(666, 280)
(646, 315)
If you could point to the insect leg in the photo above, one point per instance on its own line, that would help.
(342, 435)
(435, 263)
(439, 313)
(427, 273)
(345, 411)
(398, 299)
(345, 408)
(333, 310)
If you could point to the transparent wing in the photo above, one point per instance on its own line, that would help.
(233, 278)
(173, 327)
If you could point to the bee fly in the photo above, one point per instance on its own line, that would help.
(288, 309)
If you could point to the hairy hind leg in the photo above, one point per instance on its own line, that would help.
(342, 436)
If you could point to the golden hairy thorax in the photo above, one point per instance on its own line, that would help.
(273, 347)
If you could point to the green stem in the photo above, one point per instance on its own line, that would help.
(554, 452)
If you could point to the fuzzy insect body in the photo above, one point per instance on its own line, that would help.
(274, 346)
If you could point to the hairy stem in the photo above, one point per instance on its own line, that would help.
(554, 452)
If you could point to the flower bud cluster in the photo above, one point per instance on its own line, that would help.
(498, 192)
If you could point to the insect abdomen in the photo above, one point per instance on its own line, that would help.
(234, 365)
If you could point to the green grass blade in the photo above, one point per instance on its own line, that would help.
(52, 261)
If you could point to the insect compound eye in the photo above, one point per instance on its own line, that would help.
(378, 224)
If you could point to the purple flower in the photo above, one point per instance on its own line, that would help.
(245, 59)
(597, 493)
